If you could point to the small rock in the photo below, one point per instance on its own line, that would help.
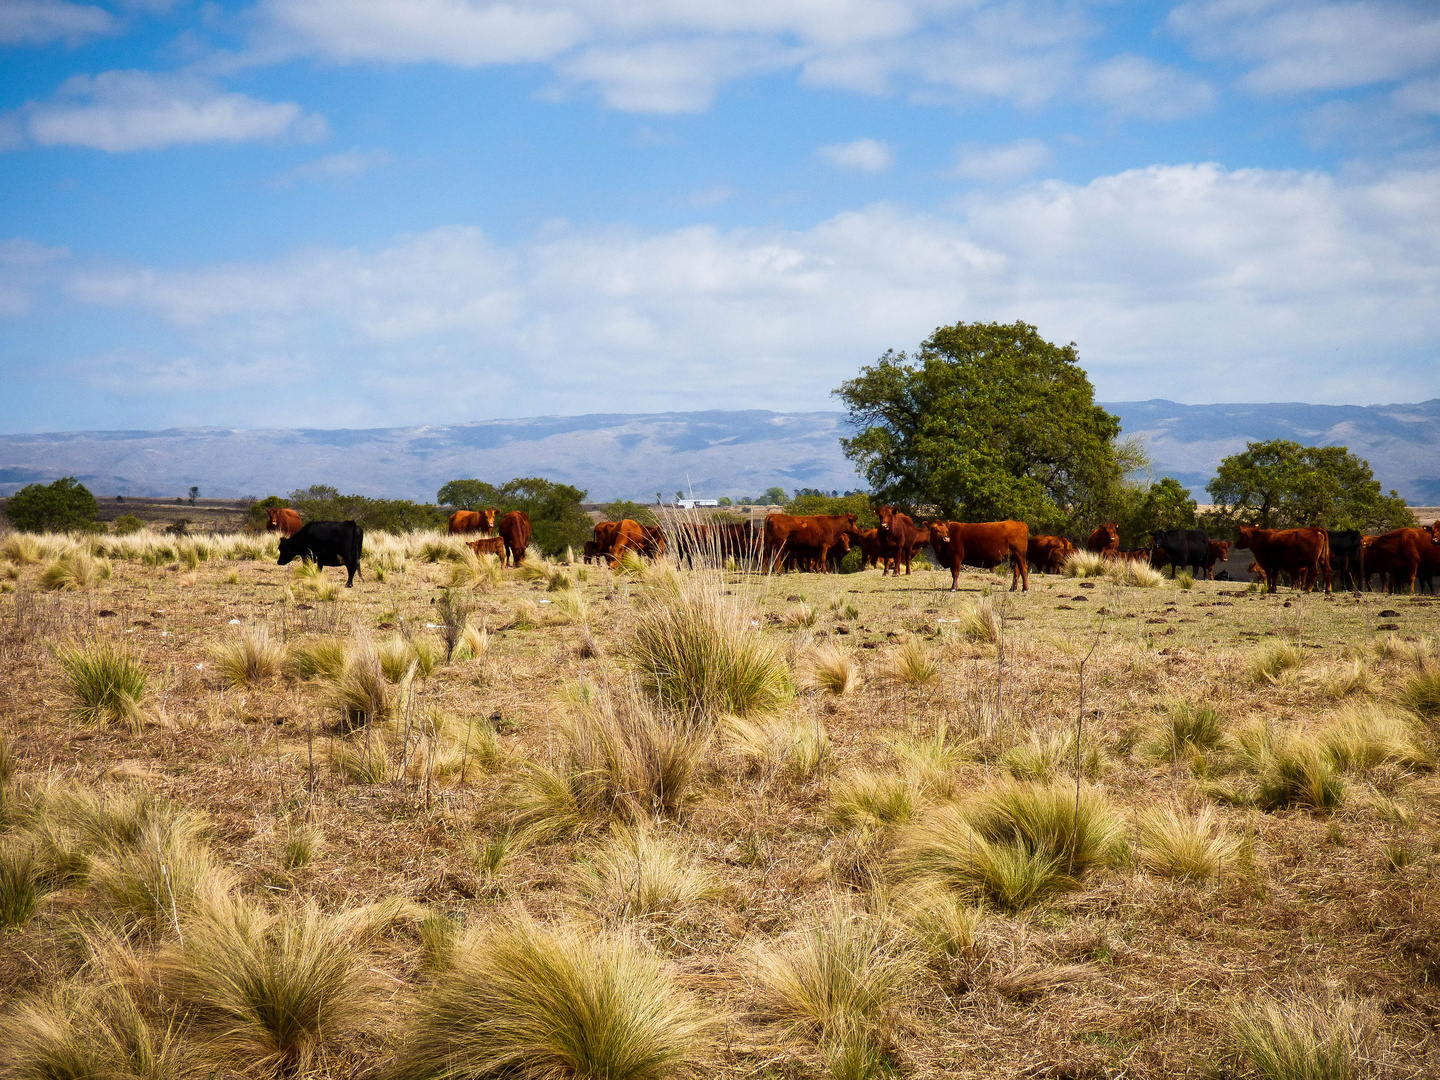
(1081, 599)
(387, 625)
(104, 613)
(1388, 626)
(842, 630)
(1388, 614)
(1087, 584)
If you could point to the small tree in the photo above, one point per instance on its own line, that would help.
(194, 494)
(1280, 484)
(65, 504)
(468, 495)
(621, 509)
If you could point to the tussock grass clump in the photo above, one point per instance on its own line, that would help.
(1290, 769)
(251, 656)
(1308, 1039)
(912, 663)
(833, 669)
(443, 549)
(1044, 756)
(362, 759)
(104, 683)
(1421, 691)
(78, 1032)
(21, 885)
(568, 607)
(796, 748)
(318, 658)
(839, 980)
(1417, 651)
(21, 548)
(1185, 847)
(150, 886)
(942, 924)
(1048, 819)
(800, 617)
(866, 799)
(1137, 575)
(623, 760)
(75, 570)
(302, 844)
(931, 762)
(274, 992)
(530, 1002)
(362, 693)
(979, 622)
(1084, 564)
(1347, 680)
(1366, 737)
(1272, 662)
(473, 643)
(631, 564)
(638, 873)
(1184, 728)
(1185, 580)
(696, 652)
(477, 572)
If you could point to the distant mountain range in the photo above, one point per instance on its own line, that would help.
(635, 456)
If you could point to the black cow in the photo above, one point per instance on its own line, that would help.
(1183, 547)
(1347, 557)
(326, 543)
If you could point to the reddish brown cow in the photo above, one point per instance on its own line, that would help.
(654, 545)
(590, 552)
(1298, 551)
(514, 529)
(1398, 556)
(896, 533)
(282, 520)
(985, 544)
(869, 544)
(468, 521)
(1219, 551)
(1048, 553)
(1105, 539)
(612, 538)
(818, 531)
(488, 545)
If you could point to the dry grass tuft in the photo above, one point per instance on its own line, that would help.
(1421, 691)
(931, 763)
(104, 684)
(1134, 574)
(800, 617)
(150, 886)
(75, 570)
(1043, 757)
(1347, 680)
(1272, 662)
(795, 748)
(979, 622)
(477, 572)
(833, 669)
(1084, 564)
(525, 1001)
(944, 925)
(21, 548)
(1307, 1038)
(869, 800)
(21, 885)
(1290, 769)
(1366, 737)
(362, 693)
(319, 658)
(1184, 728)
(1185, 847)
(250, 657)
(912, 663)
(638, 873)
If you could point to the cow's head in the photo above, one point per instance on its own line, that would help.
(1434, 530)
(1223, 548)
(886, 515)
(488, 516)
(289, 549)
(1248, 535)
(273, 524)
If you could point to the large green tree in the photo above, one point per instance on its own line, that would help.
(1280, 484)
(556, 519)
(985, 421)
(65, 504)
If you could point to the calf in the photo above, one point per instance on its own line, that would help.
(326, 543)
(488, 545)
(1048, 553)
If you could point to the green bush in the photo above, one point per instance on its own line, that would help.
(126, 524)
(624, 508)
(65, 504)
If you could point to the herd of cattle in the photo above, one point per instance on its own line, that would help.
(1308, 557)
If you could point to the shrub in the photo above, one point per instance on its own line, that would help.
(525, 1001)
(1366, 737)
(65, 504)
(696, 651)
(104, 683)
(865, 799)
(1177, 845)
(251, 656)
(1185, 728)
(126, 524)
(274, 991)
(638, 873)
(833, 669)
(1307, 1039)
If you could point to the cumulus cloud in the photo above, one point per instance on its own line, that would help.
(39, 22)
(1137, 86)
(1191, 282)
(1000, 164)
(862, 155)
(121, 111)
(1294, 46)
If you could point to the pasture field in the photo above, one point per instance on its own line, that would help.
(665, 822)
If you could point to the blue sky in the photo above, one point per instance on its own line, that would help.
(380, 212)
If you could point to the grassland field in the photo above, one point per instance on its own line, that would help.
(809, 874)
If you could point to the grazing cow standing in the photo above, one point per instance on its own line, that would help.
(282, 520)
(896, 533)
(654, 545)
(1347, 558)
(468, 521)
(985, 544)
(326, 543)
(1218, 551)
(613, 537)
(1104, 540)
(738, 540)
(818, 531)
(1400, 556)
(1303, 553)
(514, 529)
(488, 545)
(1182, 547)
(1048, 553)
(869, 543)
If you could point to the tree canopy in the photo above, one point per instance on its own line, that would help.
(1280, 484)
(556, 519)
(621, 509)
(66, 504)
(985, 421)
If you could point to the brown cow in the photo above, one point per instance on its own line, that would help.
(1398, 556)
(896, 533)
(814, 530)
(282, 520)
(488, 545)
(1218, 551)
(468, 521)
(1048, 553)
(869, 544)
(613, 537)
(590, 552)
(514, 529)
(654, 545)
(986, 544)
(1304, 553)
(1105, 539)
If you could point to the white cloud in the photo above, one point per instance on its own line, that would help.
(1000, 164)
(24, 267)
(38, 22)
(1137, 86)
(123, 111)
(1302, 45)
(862, 155)
(1191, 282)
(346, 165)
